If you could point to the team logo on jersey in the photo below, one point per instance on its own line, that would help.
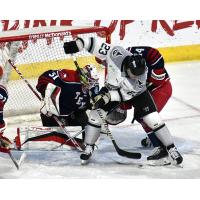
(116, 53)
(140, 84)
(139, 51)
(132, 93)
(146, 109)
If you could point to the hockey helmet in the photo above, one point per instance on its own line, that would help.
(134, 65)
(89, 76)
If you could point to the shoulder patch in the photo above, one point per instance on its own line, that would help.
(116, 53)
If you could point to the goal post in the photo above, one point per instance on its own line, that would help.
(35, 51)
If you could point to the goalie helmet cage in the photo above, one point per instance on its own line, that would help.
(35, 51)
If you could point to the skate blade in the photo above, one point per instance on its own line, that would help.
(160, 162)
(84, 162)
(176, 165)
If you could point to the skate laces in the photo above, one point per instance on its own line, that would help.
(156, 150)
(89, 149)
(174, 153)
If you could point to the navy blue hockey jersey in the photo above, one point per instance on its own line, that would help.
(3, 99)
(72, 96)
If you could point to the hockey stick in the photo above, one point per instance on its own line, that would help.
(7, 150)
(121, 152)
(10, 155)
(39, 98)
(13, 159)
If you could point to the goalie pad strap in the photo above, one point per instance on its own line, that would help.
(55, 137)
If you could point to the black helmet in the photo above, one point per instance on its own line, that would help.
(135, 65)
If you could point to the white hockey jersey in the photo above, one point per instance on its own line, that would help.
(126, 88)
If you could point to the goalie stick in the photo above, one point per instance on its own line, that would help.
(121, 152)
(3, 150)
(13, 159)
(39, 98)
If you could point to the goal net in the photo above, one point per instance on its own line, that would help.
(34, 51)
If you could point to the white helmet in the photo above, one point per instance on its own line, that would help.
(89, 76)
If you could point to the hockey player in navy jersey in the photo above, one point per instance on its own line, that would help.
(66, 94)
(158, 84)
(125, 82)
(4, 141)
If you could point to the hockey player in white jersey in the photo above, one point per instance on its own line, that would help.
(125, 82)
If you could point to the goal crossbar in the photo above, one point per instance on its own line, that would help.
(47, 32)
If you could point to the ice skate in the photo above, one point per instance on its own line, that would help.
(159, 157)
(174, 155)
(85, 156)
(158, 153)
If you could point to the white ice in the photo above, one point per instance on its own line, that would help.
(182, 115)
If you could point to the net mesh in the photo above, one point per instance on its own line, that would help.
(33, 57)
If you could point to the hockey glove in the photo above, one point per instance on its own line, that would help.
(73, 46)
(101, 99)
(4, 144)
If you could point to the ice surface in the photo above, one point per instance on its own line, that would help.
(182, 115)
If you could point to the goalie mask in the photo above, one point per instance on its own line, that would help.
(134, 65)
(89, 76)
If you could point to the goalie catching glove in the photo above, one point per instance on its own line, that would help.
(101, 99)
